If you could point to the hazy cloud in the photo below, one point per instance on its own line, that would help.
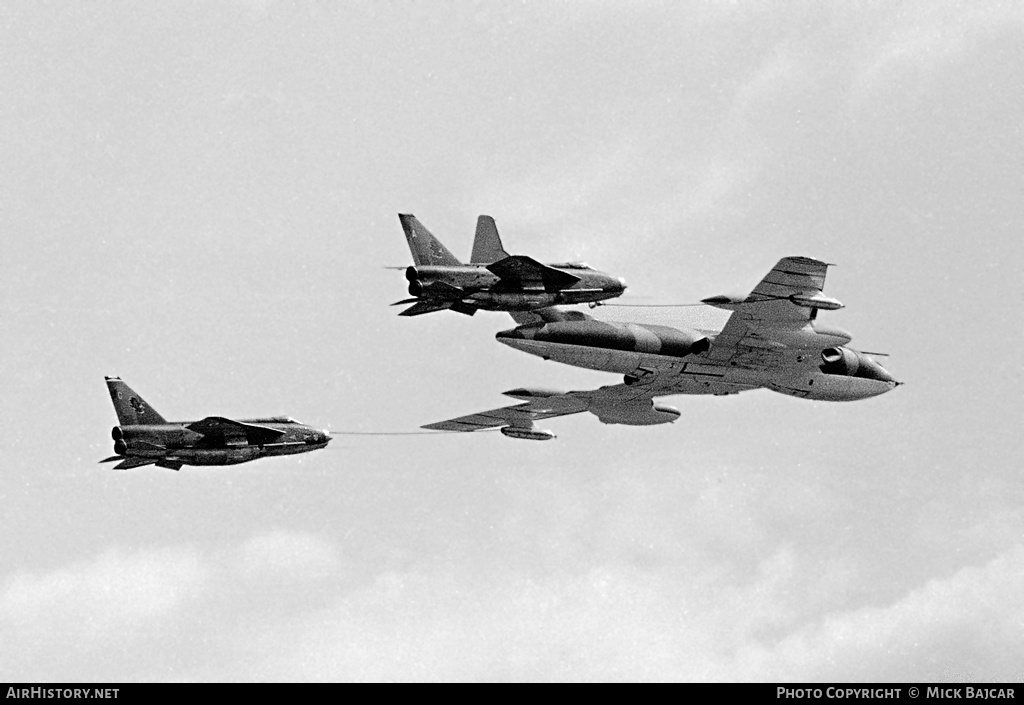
(116, 598)
(921, 38)
(286, 553)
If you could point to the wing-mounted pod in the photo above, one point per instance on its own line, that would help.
(529, 393)
(527, 433)
(729, 302)
(813, 301)
(817, 301)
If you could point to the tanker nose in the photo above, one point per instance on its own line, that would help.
(506, 336)
(522, 338)
(872, 370)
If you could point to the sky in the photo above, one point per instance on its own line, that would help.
(201, 198)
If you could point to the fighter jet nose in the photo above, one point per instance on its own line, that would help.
(622, 284)
(325, 436)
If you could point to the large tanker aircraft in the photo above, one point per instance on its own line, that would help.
(772, 340)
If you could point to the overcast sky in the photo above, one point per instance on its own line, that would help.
(200, 197)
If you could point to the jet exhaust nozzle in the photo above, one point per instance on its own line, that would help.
(116, 433)
(120, 447)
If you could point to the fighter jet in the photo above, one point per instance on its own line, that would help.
(493, 280)
(143, 437)
(772, 340)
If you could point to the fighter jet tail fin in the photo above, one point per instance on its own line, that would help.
(487, 248)
(132, 410)
(426, 249)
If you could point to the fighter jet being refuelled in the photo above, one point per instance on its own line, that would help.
(493, 280)
(144, 438)
(771, 340)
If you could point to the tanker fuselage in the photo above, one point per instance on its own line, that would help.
(814, 364)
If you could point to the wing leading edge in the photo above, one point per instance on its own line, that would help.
(793, 279)
(786, 300)
(520, 415)
(523, 271)
(220, 426)
(614, 404)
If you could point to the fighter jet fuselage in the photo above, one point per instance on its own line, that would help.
(493, 280)
(142, 437)
(176, 439)
(478, 287)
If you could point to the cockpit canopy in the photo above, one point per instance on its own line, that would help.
(276, 419)
(850, 363)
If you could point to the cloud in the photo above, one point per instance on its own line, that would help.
(923, 37)
(115, 598)
(969, 621)
(622, 623)
(600, 614)
(286, 553)
(134, 603)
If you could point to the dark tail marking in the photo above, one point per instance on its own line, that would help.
(425, 248)
(132, 410)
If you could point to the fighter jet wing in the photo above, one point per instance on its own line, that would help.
(421, 307)
(526, 272)
(129, 463)
(516, 415)
(442, 290)
(217, 425)
(770, 306)
(612, 404)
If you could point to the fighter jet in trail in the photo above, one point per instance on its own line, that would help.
(143, 437)
(772, 340)
(493, 280)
